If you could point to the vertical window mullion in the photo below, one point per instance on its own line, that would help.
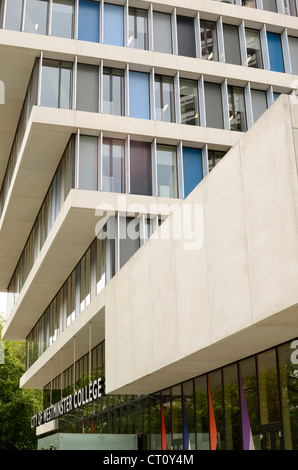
(76, 20)
(23, 15)
(49, 20)
(225, 104)
(198, 36)
(4, 13)
(248, 106)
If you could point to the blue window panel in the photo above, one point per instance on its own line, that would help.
(88, 21)
(192, 169)
(113, 25)
(275, 52)
(139, 95)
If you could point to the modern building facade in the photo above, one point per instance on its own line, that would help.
(149, 217)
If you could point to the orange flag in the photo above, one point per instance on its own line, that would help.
(212, 423)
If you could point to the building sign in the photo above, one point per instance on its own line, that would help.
(79, 398)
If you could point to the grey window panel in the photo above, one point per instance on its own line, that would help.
(269, 5)
(213, 100)
(87, 87)
(259, 103)
(88, 163)
(232, 44)
(62, 18)
(162, 32)
(293, 45)
(186, 36)
(13, 18)
(36, 16)
(129, 238)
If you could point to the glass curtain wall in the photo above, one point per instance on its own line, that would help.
(248, 405)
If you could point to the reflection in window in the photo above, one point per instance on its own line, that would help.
(214, 156)
(253, 48)
(56, 84)
(189, 103)
(209, 47)
(192, 169)
(164, 98)
(36, 16)
(139, 99)
(138, 29)
(237, 109)
(167, 171)
(129, 233)
(113, 179)
(113, 91)
(62, 18)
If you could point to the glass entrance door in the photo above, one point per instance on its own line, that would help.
(271, 437)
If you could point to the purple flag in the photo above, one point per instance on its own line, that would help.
(248, 443)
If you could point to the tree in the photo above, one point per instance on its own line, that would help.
(17, 405)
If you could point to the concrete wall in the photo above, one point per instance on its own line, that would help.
(173, 313)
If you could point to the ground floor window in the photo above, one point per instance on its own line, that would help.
(250, 404)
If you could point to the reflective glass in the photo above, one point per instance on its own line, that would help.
(113, 166)
(138, 29)
(164, 98)
(237, 109)
(167, 171)
(62, 18)
(253, 48)
(36, 16)
(189, 104)
(113, 91)
(13, 19)
(209, 48)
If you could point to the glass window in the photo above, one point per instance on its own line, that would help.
(87, 87)
(88, 163)
(186, 36)
(275, 52)
(162, 32)
(201, 413)
(113, 166)
(249, 3)
(232, 44)
(100, 264)
(62, 18)
(215, 392)
(269, 5)
(138, 29)
(113, 93)
(139, 100)
(290, 7)
(129, 238)
(231, 407)
(140, 168)
(293, 45)
(177, 427)
(209, 48)
(192, 169)
(164, 98)
(13, 18)
(88, 28)
(237, 109)
(214, 156)
(253, 48)
(259, 103)
(189, 103)
(167, 171)
(56, 84)
(213, 102)
(268, 388)
(289, 392)
(249, 390)
(113, 24)
(36, 16)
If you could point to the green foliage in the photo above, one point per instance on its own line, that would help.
(16, 405)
